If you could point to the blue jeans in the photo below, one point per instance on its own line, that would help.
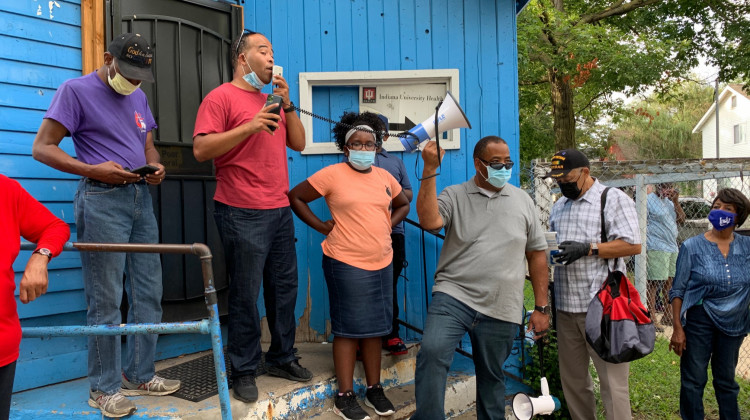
(491, 341)
(120, 214)
(705, 342)
(259, 248)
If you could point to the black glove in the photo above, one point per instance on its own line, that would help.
(571, 251)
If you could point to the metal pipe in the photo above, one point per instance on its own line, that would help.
(210, 326)
(200, 327)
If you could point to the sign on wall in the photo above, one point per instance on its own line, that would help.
(406, 97)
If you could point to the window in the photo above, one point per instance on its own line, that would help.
(739, 133)
(734, 101)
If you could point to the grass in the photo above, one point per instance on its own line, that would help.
(655, 387)
(655, 383)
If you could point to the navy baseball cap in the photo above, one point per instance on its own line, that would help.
(565, 161)
(134, 56)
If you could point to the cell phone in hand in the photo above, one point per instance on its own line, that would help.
(278, 71)
(145, 170)
(274, 99)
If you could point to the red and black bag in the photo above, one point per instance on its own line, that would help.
(618, 326)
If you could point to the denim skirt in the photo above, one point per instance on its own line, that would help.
(361, 300)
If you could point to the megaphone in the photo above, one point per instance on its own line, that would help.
(450, 116)
(526, 407)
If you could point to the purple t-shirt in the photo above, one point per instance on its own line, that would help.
(104, 124)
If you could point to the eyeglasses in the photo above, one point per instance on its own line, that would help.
(361, 146)
(239, 41)
(497, 165)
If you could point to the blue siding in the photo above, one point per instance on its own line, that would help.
(38, 53)
(478, 37)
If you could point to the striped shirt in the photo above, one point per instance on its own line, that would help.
(579, 220)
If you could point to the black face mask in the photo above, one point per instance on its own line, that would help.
(570, 190)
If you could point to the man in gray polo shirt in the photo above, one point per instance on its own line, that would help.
(491, 228)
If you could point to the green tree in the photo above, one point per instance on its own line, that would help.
(574, 54)
(660, 126)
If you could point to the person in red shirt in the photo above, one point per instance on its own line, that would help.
(248, 142)
(22, 216)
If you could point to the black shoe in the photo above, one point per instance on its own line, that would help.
(292, 371)
(348, 408)
(376, 399)
(245, 389)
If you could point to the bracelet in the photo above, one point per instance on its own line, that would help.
(290, 108)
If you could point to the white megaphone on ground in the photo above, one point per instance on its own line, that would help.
(526, 407)
(449, 116)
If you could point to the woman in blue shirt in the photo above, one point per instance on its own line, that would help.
(710, 297)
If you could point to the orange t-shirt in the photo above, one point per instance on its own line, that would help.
(360, 204)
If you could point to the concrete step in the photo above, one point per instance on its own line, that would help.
(459, 401)
(278, 398)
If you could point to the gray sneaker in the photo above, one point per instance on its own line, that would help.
(156, 386)
(112, 405)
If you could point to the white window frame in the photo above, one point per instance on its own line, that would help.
(739, 134)
(359, 78)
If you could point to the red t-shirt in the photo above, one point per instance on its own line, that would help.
(20, 215)
(253, 175)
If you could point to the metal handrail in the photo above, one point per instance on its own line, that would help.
(458, 350)
(210, 326)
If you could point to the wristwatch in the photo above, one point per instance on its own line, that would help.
(44, 251)
(594, 248)
(546, 309)
(290, 108)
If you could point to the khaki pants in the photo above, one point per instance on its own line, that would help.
(573, 355)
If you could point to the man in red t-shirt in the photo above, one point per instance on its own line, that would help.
(248, 142)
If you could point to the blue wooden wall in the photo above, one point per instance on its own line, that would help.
(478, 37)
(40, 51)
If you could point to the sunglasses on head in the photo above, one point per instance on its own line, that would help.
(497, 165)
(239, 40)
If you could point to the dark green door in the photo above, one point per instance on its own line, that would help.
(191, 40)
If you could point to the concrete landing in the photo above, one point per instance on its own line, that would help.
(278, 399)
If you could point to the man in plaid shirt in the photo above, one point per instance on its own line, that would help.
(576, 217)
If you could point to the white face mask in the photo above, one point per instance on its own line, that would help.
(120, 84)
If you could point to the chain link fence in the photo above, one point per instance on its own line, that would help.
(693, 183)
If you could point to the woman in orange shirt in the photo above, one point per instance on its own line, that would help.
(365, 202)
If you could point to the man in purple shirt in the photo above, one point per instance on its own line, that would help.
(109, 120)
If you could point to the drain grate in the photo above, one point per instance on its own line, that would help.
(198, 377)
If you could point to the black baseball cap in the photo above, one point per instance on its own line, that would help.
(565, 161)
(134, 56)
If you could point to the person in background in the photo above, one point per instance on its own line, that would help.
(491, 232)
(365, 203)
(21, 216)
(248, 143)
(395, 166)
(109, 119)
(576, 217)
(664, 214)
(710, 300)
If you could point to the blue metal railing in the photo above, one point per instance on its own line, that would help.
(207, 326)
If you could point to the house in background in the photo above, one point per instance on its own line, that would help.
(734, 114)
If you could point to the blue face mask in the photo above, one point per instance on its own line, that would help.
(253, 78)
(361, 159)
(721, 219)
(498, 177)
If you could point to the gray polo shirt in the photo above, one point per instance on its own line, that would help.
(482, 263)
